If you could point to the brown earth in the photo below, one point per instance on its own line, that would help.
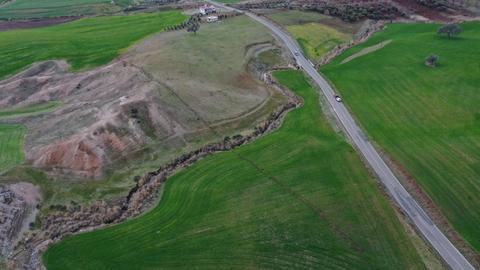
(10, 25)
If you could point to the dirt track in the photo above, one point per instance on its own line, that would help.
(11, 25)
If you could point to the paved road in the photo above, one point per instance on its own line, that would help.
(418, 216)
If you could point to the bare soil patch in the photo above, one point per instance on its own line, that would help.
(10, 25)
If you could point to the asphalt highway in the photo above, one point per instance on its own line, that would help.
(400, 195)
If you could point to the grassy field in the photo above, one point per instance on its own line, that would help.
(297, 198)
(29, 110)
(316, 33)
(11, 142)
(24, 9)
(12, 136)
(428, 119)
(316, 39)
(84, 43)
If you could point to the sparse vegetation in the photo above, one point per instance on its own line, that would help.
(428, 120)
(83, 43)
(167, 57)
(285, 201)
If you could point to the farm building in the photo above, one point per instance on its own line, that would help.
(212, 18)
(207, 9)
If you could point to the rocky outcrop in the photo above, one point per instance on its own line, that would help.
(17, 207)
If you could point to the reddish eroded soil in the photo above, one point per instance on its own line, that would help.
(84, 156)
(10, 25)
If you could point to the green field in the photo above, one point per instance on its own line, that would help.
(316, 33)
(84, 43)
(316, 39)
(297, 198)
(24, 9)
(427, 119)
(11, 142)
(34, 109)
(12, 135)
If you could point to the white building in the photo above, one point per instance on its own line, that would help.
(207, 9)
(212, 18)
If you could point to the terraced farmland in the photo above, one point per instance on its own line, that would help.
(297, 198)
(83, 43)
(11, 142)
(427, 119)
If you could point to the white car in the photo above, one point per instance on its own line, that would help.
(338, 98)
(296, 53)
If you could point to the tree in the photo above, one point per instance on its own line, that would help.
(451, 30)
(193, 27)
(432, 60)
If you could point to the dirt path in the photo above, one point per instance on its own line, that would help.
(12, 25)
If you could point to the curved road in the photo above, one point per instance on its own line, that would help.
(400, 195)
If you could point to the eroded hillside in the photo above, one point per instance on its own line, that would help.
(141, 99)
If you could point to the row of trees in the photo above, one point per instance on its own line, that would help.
(193, 23)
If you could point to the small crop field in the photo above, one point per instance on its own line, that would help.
(316, 39)
(297, 198)
(316, 33)
(84, 43)
(12, 135)
(427, 119)
(11, 142)
(26, 9)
